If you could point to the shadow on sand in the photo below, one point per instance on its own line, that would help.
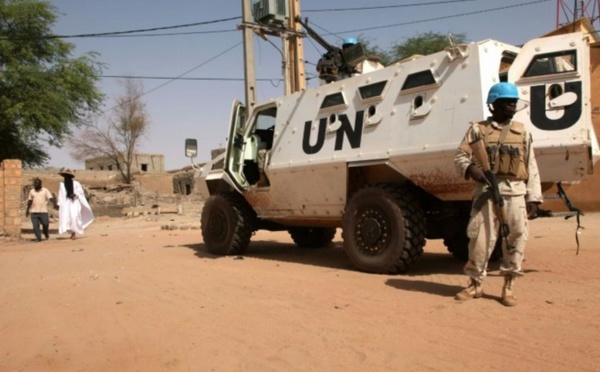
(332, 257)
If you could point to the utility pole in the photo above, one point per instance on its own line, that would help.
(249, 73)
(292, 52)
(297, 71)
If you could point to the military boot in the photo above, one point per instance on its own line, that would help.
(508, 297)
(473, 290)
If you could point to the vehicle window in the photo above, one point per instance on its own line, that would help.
(418, 79)
(333, 100)
(266, 118)
(372, 90)
(553, 63)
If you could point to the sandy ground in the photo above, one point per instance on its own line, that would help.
(128, 296)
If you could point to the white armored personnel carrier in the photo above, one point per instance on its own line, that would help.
(372, 154)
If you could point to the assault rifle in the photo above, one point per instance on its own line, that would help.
(336, 60)
(480, 154)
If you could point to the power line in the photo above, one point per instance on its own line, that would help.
(171, 34)
(128, 33)
(113, 33)
(182, 74)
(442, 17)
(123, 33)
(384, 6)
(183, 78)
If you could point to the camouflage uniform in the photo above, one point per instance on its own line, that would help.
(514, 163)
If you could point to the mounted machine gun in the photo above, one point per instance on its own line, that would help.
(337, 62)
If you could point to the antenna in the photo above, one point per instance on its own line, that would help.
(568, 11)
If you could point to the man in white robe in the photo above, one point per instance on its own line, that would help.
(74, 213)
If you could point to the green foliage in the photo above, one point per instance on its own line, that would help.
(375, 50)
(43, 90)
(423, 44)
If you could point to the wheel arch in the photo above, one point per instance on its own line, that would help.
(216, 183)
(383, 172)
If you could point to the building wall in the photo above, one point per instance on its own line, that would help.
(104, 189)
(51, 179)
(161, 184)
(156, 183)
(10, 198)
(144, 163)
(183, 183)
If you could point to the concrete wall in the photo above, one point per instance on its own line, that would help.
(161, 184)
(10, 198)
(51, 179)
(145, 163)
(156, 183)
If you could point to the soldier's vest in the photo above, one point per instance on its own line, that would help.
(507, 153)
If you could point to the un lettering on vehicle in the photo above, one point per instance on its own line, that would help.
(353, 134)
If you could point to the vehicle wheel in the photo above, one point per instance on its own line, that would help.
(312, 237)
(458, 245)
(497, 252)
(227, 223)
(383, 229)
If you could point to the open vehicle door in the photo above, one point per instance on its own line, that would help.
(553, 74)
(234, 153)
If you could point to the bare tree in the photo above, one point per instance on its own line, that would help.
(118, 138)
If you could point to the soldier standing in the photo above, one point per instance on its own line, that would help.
(512, 160)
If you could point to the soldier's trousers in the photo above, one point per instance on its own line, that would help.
(483, 233)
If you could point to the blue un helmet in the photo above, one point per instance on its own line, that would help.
(502, 90)
(349, 41)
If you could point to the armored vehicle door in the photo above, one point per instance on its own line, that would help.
(234, 153)
(552, 74)
(249, 141)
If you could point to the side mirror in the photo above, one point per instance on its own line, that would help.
(191, 148)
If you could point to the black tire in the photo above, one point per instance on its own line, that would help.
(312, 237)
(497, 252)
(383, 229)
(458, 245)
(227, 224)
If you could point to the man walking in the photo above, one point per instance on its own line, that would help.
(37, 205)
(75, 213)
(511, 158)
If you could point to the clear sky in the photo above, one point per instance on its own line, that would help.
(212, 53)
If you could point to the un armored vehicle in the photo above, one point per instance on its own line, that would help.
(372, 153)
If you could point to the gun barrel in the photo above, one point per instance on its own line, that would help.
(315, 35)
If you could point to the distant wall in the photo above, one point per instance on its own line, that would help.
(145, 163)
(102, 189)
(151, 182)
(10, 198)
(51, 179)
(161, 184)
(183, 183)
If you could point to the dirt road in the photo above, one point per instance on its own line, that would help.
(128, 296)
